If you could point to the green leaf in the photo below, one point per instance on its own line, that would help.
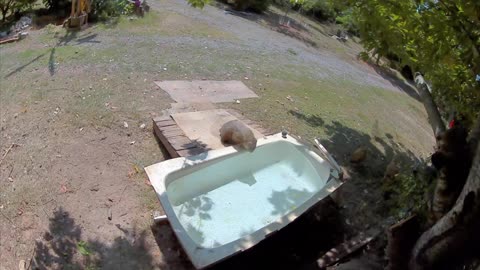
(83, 248)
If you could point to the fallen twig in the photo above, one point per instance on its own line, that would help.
(121, 195)
(8, 219)
(6, 153)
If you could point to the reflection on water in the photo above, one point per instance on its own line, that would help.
(236, 196)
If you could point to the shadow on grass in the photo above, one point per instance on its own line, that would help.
(344, 140)
(311, 120)
(407, 88)
(62, 247)
(71, 36)
(20, 68)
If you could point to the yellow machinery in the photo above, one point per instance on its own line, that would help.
(79, 16)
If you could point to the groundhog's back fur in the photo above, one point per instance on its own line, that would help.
(234, 132)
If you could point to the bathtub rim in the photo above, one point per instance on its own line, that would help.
(203, 256)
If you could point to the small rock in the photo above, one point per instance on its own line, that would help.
(15, 115)
(47, 236)
(23, 35)
(246, 78)
(81, 128)
(165, 69)
(105, 79)
(10, 179)
(142, 126)
(132, 142)
(109, 214)
(237, 101)
(125, 124)
(22, 265)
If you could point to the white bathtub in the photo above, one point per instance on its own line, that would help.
(222, 202)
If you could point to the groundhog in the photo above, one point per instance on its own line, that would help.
(359, 155)
(237, 133)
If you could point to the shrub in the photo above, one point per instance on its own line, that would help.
(347, 21)
(103, 9)
(321, 9)
(14, 7)
(58, 6)
(254, 5)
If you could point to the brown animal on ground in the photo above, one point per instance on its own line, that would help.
(358, 156)
(392, 170)
(237, 133)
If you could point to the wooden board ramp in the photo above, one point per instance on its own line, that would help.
(174, 139)
(178, 144)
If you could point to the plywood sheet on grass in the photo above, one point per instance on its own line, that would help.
(206, 91)
(204, 126)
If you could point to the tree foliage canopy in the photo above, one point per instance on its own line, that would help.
(440, 38)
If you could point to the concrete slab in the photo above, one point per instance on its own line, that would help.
(204, 126)
(206, 91)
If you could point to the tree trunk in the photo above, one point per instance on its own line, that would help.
(457, 233)
(432, 111)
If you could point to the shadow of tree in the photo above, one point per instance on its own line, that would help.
(312, 120)
(20, 68)
(344, 140)
(70, 35)
(61, 247)
(296, 246)
(283, 201)
(403, 86)
(174, 257)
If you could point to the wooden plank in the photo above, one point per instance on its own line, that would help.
(171, 151)
(161, 118)
(173, 133)
(182, 142)
(166, 123)
(401, 238)
(190, 152)
(169, 128)
(343, 250)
